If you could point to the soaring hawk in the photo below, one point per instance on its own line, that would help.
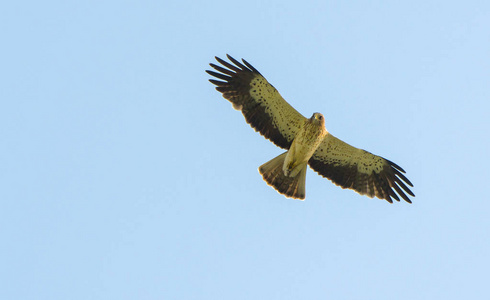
(306, 140)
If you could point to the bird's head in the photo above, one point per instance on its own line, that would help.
(318, 118)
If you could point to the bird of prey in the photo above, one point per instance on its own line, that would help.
(306, 140)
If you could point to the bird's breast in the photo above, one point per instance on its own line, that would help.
(304, 145)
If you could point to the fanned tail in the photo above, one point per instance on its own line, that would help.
(273, 174)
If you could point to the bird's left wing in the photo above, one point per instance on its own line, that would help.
(353, 168)
(261, 104)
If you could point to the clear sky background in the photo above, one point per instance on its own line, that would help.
(125, 175)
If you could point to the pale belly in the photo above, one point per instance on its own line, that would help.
(304, 145)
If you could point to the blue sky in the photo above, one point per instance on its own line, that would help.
(125, 175)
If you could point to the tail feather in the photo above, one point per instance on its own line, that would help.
(273, 174)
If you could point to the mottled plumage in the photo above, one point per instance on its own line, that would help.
(307, 140)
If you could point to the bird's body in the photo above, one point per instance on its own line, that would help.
(291, 166)
(306, 140)
(305, 143)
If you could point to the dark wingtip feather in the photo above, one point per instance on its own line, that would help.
(399, 174)
(393, 194)
(227, 64)
(395, 166)
(403, 186)
(236, 62)
(217, 82)
(401, 193)
(219, 75)
(250, 66)
(399, 180)
(222, 70)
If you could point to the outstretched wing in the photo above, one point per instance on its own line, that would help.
(353, 168)
(261, 104)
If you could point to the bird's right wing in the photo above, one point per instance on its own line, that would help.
(261, 104)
